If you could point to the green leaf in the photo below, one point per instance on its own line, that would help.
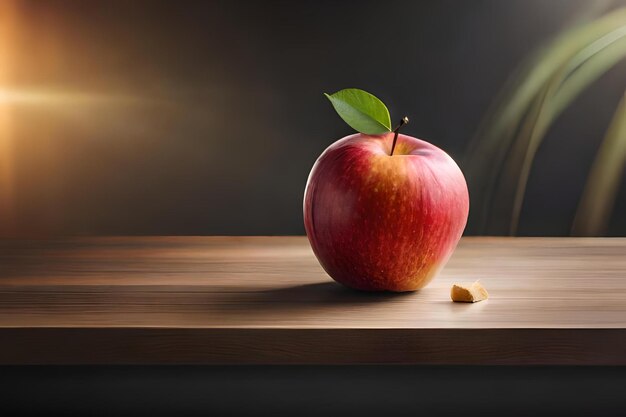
(361, 110)
(518, 120)
(603, 183)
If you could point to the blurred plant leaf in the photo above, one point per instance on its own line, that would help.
(361, 110)
(598, 198)
(606, 51)
(584, 68)
(522, 114)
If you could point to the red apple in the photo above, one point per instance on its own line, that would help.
(381, 222)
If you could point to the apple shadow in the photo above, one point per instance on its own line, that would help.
(309, 297)
(328, 292)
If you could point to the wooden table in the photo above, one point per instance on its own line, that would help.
(266, 300)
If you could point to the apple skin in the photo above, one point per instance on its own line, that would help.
(384, 223)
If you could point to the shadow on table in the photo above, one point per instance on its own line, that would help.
(311, 297)
(332, 291)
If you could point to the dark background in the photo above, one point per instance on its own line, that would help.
(344, 391)
(205, 117)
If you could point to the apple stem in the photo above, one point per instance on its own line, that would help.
(404, 121)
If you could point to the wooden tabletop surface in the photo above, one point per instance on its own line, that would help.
(266, 300)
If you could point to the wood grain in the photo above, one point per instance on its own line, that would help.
(265, 300)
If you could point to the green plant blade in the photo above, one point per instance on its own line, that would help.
(524, 111)
(361, 110)
(584, 68)
(598, 198)
(606, 52)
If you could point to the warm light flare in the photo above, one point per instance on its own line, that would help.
(16, 97)
(8, 24)
(10, 96)
(13, 97)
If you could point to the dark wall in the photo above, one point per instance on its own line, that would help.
(205, 117)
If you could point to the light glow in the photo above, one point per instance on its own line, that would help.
(8, 96)
(8, 24)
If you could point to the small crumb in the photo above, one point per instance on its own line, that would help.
(468, 293)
